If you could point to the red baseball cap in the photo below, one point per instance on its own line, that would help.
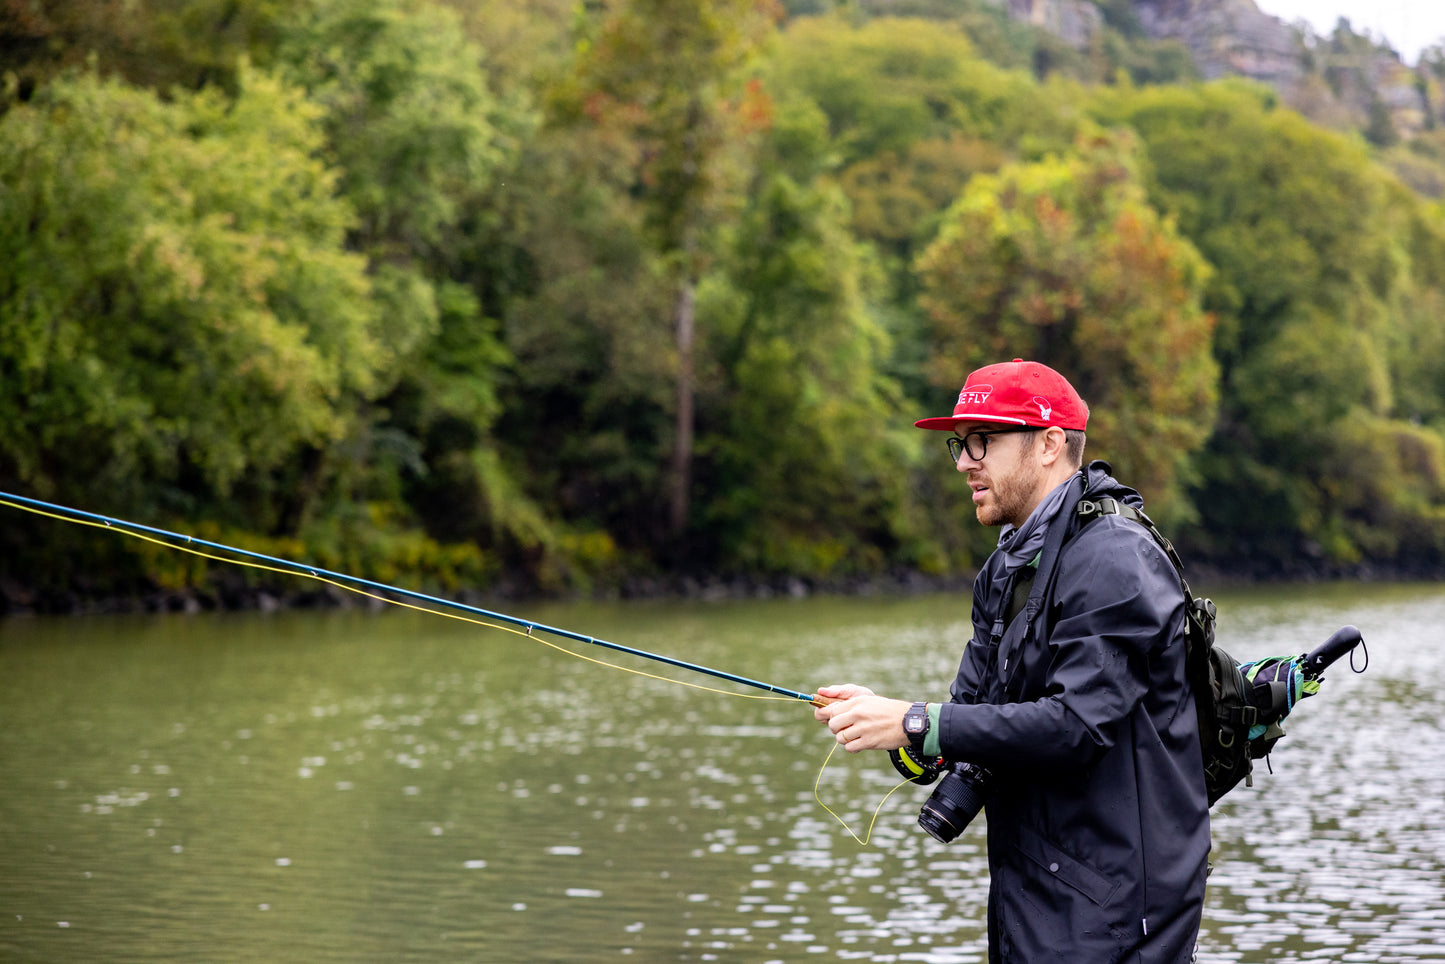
(1018, 393)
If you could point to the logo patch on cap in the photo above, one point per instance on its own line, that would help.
(1046, 410)
(974, 395)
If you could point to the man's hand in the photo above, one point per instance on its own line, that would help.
(862, 720)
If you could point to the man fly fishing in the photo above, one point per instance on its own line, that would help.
(1072, 718)
(1071, 722)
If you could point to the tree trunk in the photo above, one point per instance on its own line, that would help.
(682, 444)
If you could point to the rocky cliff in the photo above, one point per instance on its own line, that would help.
(1346, 81)
(1227, 37)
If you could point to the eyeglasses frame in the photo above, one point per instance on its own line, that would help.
(958, 444)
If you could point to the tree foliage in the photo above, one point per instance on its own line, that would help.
(1315, 288)
(798, 392)
(422, 145)
(887, 84)
(485, 291)
(668, 74)
(175, 302)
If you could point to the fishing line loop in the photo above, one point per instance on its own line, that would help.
(868, 835)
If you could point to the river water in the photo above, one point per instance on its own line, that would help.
(396, 786)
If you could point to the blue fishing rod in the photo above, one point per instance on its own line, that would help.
(184, 542)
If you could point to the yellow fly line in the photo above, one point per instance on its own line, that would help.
(166, 540)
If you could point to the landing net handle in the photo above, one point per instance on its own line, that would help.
(1342, 641)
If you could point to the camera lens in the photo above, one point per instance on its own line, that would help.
(956, 801)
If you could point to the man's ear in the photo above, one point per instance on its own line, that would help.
(1054, 443)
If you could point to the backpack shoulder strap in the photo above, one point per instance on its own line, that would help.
(1200, 610)
(1089, 509)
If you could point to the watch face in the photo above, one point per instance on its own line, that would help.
(913, 724)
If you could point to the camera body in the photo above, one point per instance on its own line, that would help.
(956, 800)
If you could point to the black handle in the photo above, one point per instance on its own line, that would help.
(1341, 642)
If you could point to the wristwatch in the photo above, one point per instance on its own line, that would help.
(915, 724)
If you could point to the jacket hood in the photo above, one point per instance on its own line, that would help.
(1099, 481)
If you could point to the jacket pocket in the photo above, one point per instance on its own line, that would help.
(1054, 862)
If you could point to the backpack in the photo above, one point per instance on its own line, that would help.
(1238, 718)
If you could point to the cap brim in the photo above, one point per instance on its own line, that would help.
(946, 423)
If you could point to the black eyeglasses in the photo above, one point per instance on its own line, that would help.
(976, 443)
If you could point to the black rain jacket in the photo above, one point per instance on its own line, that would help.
(1098, 823)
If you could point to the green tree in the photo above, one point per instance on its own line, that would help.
(671, 73)
(799, 392)
(1312, 246)
(887, 84)
(155, 44)
(422, 144)
(1063, 261)
(408, 115)
(589, 407)
(910, 111)
(176, 306)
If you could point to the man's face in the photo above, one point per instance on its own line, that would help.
(1005, 482)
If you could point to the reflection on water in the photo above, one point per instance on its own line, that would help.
(401, 787)
(1340, 855)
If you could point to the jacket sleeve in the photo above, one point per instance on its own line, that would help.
(1118, 598)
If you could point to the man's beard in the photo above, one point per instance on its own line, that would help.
(1010, 497)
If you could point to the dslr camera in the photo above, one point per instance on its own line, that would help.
(956, 800)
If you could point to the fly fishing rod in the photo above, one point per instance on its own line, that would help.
(185, 542)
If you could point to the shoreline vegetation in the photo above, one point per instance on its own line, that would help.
(299, 593)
